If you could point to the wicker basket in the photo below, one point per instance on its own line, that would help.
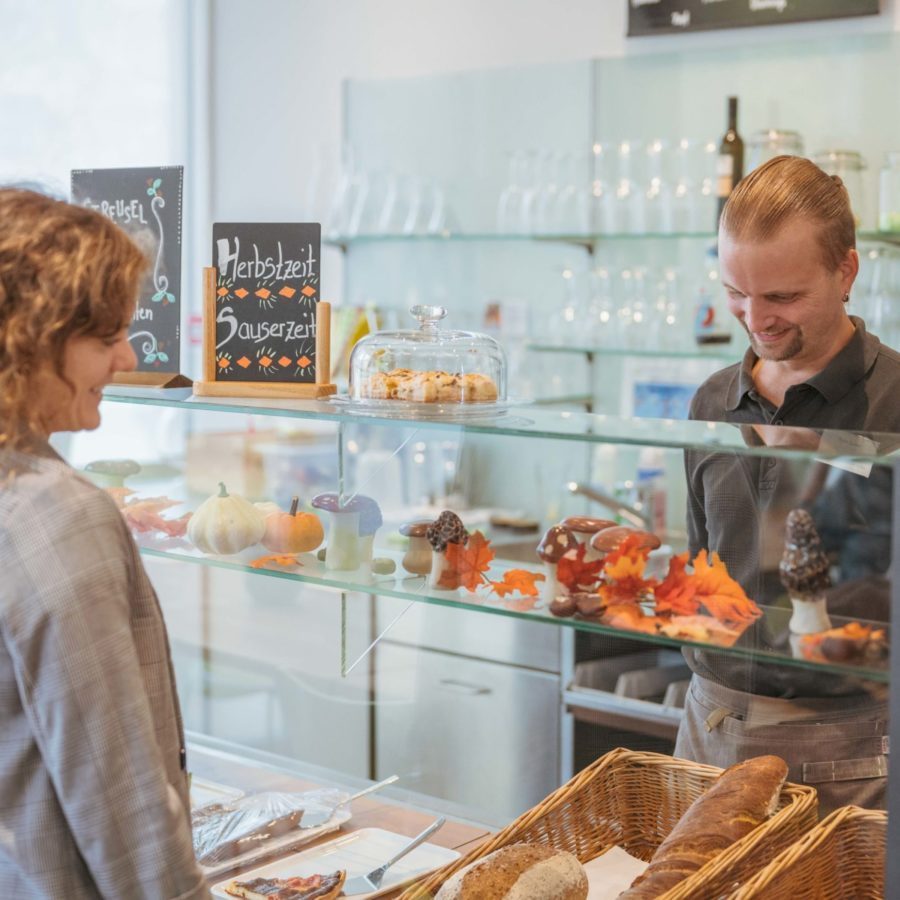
(842, 858)
(634, 800)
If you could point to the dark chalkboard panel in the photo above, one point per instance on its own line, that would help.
(671, 16)
(146, 202)
(267, 290)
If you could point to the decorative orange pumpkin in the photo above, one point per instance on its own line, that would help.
(293, 532)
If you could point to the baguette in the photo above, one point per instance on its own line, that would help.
(739, 800)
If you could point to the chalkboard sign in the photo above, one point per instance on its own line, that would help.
(668, 16)
(266, 332)
(146, 202)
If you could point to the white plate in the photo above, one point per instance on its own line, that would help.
(358, 853)
(410, 409)
(205, 792)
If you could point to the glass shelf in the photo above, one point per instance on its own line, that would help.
(732, 354)
(415, 589)
(533, 422)
(343, 242)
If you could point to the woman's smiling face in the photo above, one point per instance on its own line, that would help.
(89, 364)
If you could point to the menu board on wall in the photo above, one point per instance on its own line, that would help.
(671, 16)
(267, 290)
(146, 202)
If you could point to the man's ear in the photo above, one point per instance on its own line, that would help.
(849, 269)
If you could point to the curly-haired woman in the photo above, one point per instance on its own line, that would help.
(93, 789)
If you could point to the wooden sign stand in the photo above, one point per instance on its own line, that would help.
(152, 379)
(209, 387)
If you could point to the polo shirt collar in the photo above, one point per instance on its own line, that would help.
(833, 382)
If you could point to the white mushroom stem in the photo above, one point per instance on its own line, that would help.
(551, 588)
(343, 550)
(810, 616)
(366, 542)
(439, 565)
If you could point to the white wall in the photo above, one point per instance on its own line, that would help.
(278, 67)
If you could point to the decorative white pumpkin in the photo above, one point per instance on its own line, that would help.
(225, 524)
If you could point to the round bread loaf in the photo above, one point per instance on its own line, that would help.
(519, 872)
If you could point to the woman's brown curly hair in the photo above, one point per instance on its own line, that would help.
(65, 271)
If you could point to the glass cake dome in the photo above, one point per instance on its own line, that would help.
(429, 368)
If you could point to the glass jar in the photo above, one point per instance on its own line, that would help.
(429, 369)
(768, 143)
(889, 193)
(848, 165)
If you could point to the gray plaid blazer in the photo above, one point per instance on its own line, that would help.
(93, 790)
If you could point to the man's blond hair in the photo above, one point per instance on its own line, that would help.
(788, 189)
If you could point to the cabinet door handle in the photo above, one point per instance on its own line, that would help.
(464, 687)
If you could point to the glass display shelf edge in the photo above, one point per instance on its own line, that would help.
(415, 588)
(529, 421)
(344, 242)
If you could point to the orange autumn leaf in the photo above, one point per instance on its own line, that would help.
(576, 574)
(276, 559)
(517, 580)
(722, 596)
(676, 593)
(467, 563)
(628, 616)
(628, 558)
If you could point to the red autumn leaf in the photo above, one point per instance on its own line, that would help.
(517, 580)
(576, 574)
(722, 596)
(467, 563)
(629, 590)
(676, 593)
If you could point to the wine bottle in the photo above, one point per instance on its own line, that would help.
(730, 167)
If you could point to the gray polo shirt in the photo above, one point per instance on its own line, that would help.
(737, 504)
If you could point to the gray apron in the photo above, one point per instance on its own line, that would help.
(838, 745)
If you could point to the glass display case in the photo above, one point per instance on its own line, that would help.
(472, 681)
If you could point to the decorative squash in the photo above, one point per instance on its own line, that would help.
(293, 532)
(225, 524)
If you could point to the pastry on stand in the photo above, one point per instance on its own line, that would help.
(804, 572)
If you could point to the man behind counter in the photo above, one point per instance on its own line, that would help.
(788, 261)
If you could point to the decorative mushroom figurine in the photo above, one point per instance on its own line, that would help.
(584, 528)
(558, 541)
(446, 529)
(609, 539)
(417, 559)
(352, 527)
(804, 572)
(111, 473)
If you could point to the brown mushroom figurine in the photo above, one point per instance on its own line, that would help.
(609, 539)
(804, 571)
(584, 528)
(446, 529)
(417, 559)
(556, 543)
